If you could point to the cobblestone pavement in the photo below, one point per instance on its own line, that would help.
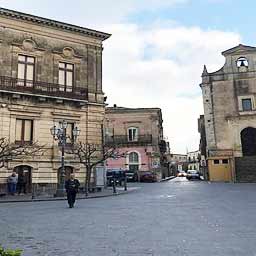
(172, 218)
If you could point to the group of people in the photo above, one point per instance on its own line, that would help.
(17, 183)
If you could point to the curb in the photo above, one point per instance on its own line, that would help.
(63, 199)
(168, 178)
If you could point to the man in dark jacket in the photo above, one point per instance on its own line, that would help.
(22, 183)
(71, 186)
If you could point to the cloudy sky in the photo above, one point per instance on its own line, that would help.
(156, 54)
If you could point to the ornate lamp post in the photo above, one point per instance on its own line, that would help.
(59, 134)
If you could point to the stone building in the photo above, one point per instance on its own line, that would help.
(177, 162)
(50, 71)
(230, 116)
(138, 132)
(193, 159)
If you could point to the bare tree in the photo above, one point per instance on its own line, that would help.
(10, 151)
(90, 155)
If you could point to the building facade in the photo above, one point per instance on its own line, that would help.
(50, 71)
(177, 162)
(139, 133)
(193, 159)
(230, 116)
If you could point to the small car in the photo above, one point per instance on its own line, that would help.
(181, 174)
(193, 174)
(148, 177)
(131, 175)
(115, 174)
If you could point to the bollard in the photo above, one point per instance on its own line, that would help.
(125, 182)
(114, 185)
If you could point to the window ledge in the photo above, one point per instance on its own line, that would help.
(251, 112)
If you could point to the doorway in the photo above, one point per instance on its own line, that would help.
(68, 171)
(26, 171)
(248, 141)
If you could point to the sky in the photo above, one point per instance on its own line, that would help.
(157, 50)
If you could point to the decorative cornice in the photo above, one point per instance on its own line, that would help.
(54, 24)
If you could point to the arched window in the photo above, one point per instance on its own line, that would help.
(242, 62)
(132, 134)
(133, 157)
(133, 161)
(248, 141)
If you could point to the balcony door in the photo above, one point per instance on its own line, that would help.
(66, 76)
(26, 70)
(132, 134)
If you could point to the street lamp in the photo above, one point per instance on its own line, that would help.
(60, 134)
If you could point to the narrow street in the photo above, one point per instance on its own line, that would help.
(178, 217)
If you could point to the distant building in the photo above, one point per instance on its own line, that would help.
(230, 116)
(139, 132)
(177, 162)
(193, 159)
(178, 158)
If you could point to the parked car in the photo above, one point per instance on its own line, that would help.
(115, 174)
(181, 174)
(148, 177)
(131, 175)
(193, 174)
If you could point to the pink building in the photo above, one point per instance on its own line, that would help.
(138, 132)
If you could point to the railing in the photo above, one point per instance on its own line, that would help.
(42, 88)
(124, 140)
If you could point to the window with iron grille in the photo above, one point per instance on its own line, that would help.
(66, 76)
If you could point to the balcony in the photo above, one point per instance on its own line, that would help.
(122, 140)
(41, 89)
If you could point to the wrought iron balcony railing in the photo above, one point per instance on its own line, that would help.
(13, 85)
(124, 140)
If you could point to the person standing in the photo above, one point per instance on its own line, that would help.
(12, 183)
(71, 186)
(22, 183)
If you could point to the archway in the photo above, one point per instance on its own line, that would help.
(133, 158)
(248, 141)
(68, 171)
(26, 172)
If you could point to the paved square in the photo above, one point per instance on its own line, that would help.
(161, 219)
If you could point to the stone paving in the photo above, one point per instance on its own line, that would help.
(28, 197)
(178, 217)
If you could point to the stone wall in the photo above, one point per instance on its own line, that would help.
(245, 169)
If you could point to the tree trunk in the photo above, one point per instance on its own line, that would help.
(87, 180)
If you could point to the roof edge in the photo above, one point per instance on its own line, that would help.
(240, 47)
(53, 23)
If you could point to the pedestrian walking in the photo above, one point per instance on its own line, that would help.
(22, 183)
(12, 183)
(71, 186)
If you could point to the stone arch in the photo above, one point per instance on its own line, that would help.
(133, 165)
(26, 172)
(68, 171)
(248, 141)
